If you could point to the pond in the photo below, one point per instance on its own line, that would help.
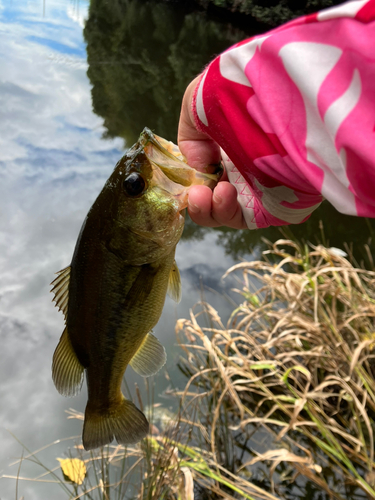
(78, 82)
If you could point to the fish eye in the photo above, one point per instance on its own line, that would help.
(134, 184)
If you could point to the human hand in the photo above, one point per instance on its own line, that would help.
(206, 208)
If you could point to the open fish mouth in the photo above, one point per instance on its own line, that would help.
(167, 157)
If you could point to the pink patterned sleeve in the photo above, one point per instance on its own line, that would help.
(294, 113)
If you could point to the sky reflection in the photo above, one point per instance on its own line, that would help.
(53, 164)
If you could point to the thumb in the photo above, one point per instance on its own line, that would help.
(198, 148)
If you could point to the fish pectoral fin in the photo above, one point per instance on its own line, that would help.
(122, 420)
(60, 290)
(174, 283)
(67, 371)
(149, 358)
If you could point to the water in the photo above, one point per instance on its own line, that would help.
(71, 101)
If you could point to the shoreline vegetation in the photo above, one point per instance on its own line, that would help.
(271, 12)
(279, 402)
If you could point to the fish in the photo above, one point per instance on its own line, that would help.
(113, 292)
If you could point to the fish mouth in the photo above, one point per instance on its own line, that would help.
(167, 157)
(166, 187)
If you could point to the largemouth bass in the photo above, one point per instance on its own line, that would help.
(113, 292)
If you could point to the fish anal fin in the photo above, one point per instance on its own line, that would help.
(122, 421)
(67, 371)
(149, 358)
(60, 290)
(174, 283)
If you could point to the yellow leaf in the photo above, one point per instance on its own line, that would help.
(73, 469)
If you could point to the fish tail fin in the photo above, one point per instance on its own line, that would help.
(121, 420)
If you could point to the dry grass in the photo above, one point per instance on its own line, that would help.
(296, 358)
(279, 403)
(161, 467)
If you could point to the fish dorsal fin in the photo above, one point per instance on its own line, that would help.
(149, 358)
(60, 290)
(67, 371)
(174, 283)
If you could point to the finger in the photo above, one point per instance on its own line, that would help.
(200, 154)
(226, 210)
(218, 208)
(200, 206)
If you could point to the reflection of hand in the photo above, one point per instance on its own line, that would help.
(207, 208)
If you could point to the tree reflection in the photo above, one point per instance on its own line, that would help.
(326, 226)
(142, 55)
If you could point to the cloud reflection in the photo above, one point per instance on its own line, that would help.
(53, 164)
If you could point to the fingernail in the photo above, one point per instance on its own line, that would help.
(194, 208)
(217, 199)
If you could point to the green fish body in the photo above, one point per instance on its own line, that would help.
(113, 292)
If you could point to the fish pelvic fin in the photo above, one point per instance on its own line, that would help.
(122, 420)
(174, 283)
(149, 358)
(60, 290)
(67, 371)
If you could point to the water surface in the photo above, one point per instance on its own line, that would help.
(73, 96)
